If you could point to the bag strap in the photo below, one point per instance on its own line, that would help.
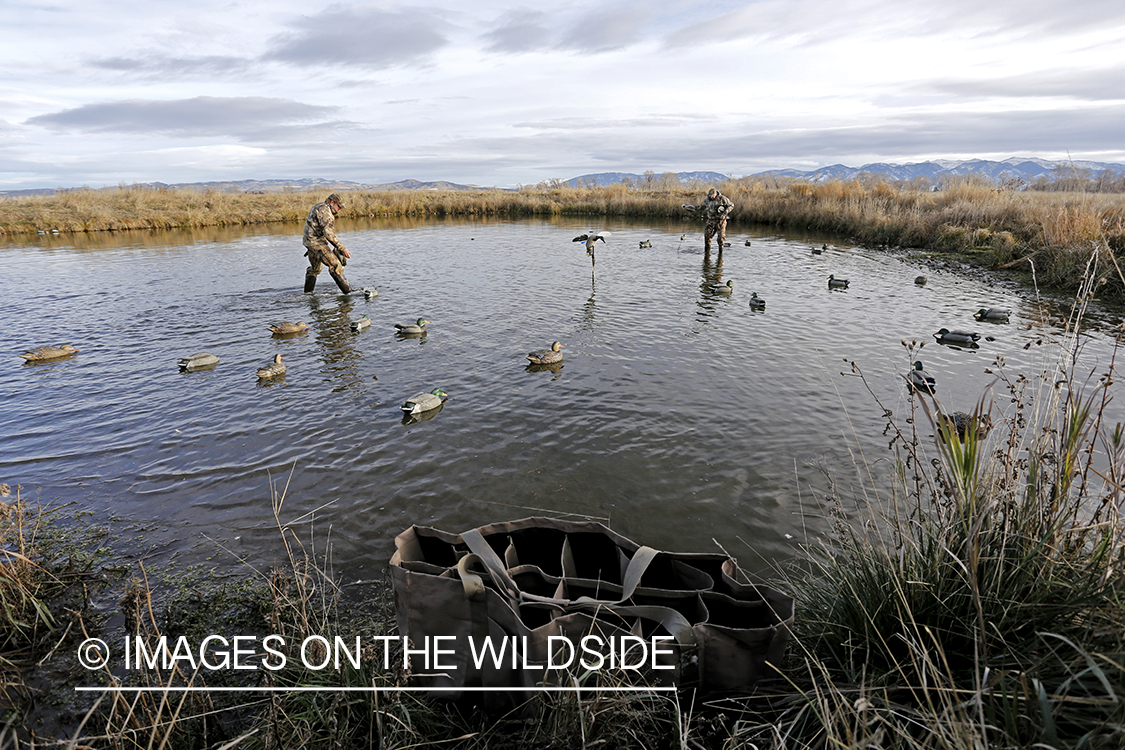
(483, 551)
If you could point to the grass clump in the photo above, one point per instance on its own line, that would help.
(983, 605)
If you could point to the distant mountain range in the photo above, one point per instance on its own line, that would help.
(1027, 170)
(1024, 169)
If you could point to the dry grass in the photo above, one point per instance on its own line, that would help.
(997, 226)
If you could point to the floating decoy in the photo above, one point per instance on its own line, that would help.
(201, 361)
(748, 243)
(285, 327)
(45, 353)
(757, 302)
(726, 288)
(370, 293)
(425, 401)
(546, 356)
(920, 280)
(646, 243)
(361, 324)
(817, 251)
(920, 379)
(683, 237)
(272, 370)
(417, 327)
(834, 283)
(961, 422)
(992, 313)
(965, 338)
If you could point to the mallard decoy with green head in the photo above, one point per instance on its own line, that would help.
(546, 356)
(370, 293)
(591, 238)
(726, 288)
(757, 302)
(276, 369)
(46, 353)
(965, 338)
(362, 324)
(834, 283)
(994, 314)
(285, 328)
(201, 361)
(922, 380)
(418, 326)
(424, 401)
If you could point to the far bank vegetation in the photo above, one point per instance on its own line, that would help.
(999, 224)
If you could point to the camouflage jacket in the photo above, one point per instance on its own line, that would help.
(716, 208)
(319, 227)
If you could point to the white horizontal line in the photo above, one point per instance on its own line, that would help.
(376, 689)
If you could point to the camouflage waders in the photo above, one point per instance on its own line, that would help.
(324, 255)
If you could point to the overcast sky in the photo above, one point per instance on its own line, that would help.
(505, 93)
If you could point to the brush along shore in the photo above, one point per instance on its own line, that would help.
(994, 226)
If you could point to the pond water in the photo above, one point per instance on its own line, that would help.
(680, 416)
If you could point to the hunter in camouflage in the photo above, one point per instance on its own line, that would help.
(324, 247)
(715, 210)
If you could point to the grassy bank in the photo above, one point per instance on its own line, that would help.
(1054, 232)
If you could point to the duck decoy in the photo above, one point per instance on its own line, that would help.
(273, 370)
(370, 293)
(964, 338)
(546, 356)
(960, 422)
(201, 361)
(726, 288)
(757, 302)
(45, 353)
(590, 238)
(922, 380)
(993, 314)
(418, 327)
(920, 280)
(748, 243)
(824, 246)
(425, 401)
(361, 324)
(817, 251)
(646, 243)
(285, 328)
(683, 237)
(834, 283)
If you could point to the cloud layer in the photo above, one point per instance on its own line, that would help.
(507, 93)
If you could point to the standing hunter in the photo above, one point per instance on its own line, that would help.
(324, 247)
(715, 210)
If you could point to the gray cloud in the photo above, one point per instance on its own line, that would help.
(605, 30)
(361, 37)
(525, 34)
(246, 116)
(1088, 131)
(1093, 85)
(157, 65)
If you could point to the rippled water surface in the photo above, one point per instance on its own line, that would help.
(679, 414)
